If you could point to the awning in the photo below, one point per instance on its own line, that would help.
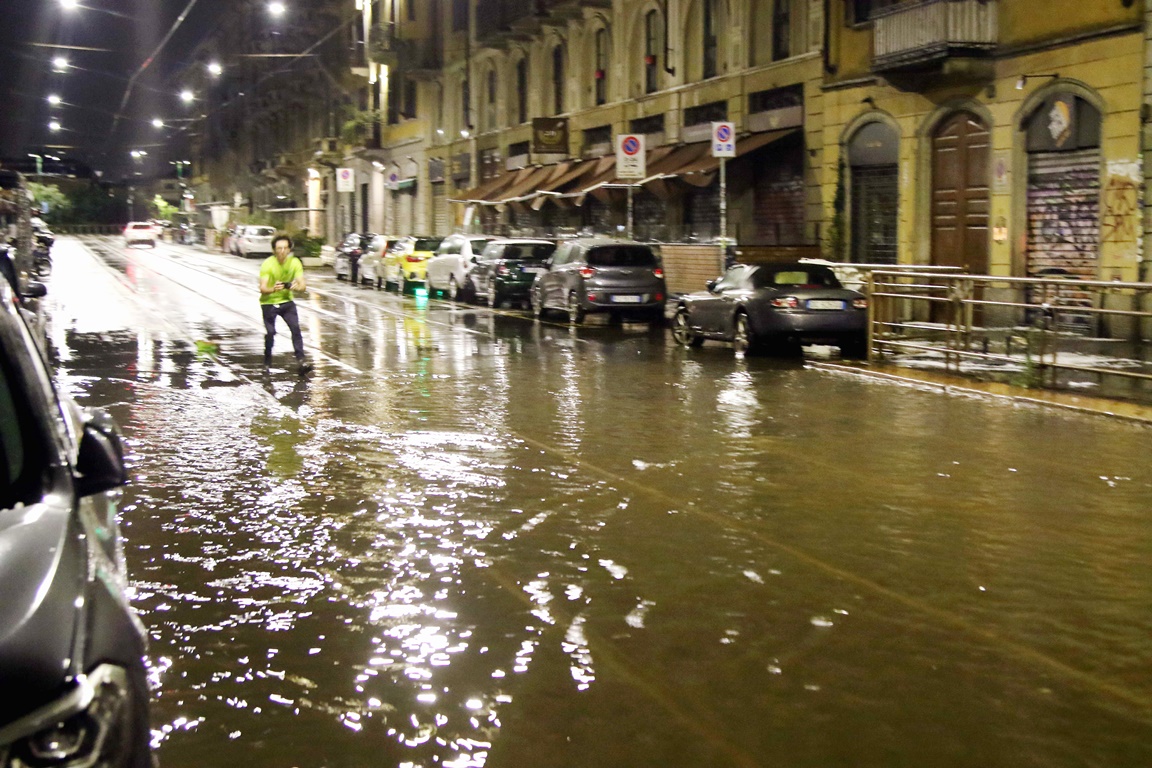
(482, 191)
(699, 172)
(530, 184)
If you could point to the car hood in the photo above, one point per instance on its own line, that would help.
(42, 570)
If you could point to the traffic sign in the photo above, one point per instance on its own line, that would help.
(631, 158)
(723, 140)
(345, 180)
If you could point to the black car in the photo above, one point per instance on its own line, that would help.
(71, 647)
(505, 269)
(619, 277)
(756, 306)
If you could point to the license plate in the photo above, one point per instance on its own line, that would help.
(531, 270)
(825, 304)
(626, 298)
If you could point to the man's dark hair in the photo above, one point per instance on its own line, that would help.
(278, 238)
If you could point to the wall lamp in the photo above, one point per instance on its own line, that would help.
(1025, 78)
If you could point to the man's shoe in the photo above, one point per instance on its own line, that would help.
(305, 367)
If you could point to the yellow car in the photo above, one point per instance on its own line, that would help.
(406, 262)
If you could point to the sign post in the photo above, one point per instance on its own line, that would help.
(723, 147)
(631, 163)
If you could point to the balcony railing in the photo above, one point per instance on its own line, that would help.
(923, 33)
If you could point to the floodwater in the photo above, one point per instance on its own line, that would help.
(471, 539)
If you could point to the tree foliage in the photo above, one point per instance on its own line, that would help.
(58, 204)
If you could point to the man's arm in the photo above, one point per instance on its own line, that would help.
(298, 283)
(266, 284)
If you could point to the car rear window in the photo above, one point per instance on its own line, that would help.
(261, 231)
(139, 226)
(530, 252)
(621, 256)
(427, 244)
(818, 276)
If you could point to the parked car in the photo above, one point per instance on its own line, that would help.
(506, 269)
(72, 649)
(620, 277)
(406, 261)
(755, 306)
(348, 253)
(447, 270)
(253, 240)
(140, 232)
(372, 260)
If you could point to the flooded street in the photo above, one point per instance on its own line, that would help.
(472, 539)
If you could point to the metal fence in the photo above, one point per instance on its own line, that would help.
(1054, 332)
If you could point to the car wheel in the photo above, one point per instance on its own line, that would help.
(854, 348)
(453, 289)
(494, 297)
(379, 283)
(682, 332)
(575, 311)
(743, 341)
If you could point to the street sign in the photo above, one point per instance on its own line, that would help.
(345, 180)
(631, 159)
(723, 140)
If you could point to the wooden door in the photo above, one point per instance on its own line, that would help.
(960, 165)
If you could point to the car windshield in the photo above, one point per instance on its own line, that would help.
(621, 256)
(820, 277)
(529, 251)
(140, 226)
(427, 243)
(478, 244)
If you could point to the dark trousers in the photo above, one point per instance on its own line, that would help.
(287, 310)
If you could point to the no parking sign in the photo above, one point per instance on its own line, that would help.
(723, 140)
(631, 159)
(345, 180)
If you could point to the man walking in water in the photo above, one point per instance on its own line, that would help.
(280, 275)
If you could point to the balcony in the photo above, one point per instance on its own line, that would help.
(499, 23)
(920, 35)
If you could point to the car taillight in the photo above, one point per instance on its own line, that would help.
(786, 302)
(657, 272)
(860, 303)
(657, 297)
(412, 258)
(503, 269)
(587, 272)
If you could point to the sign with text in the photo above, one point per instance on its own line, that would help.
(723, 140)
(631, 159)
(345, 180)
(550, 135)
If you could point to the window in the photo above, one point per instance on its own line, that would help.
(411, 10)
(490, 99)
(601, 73)
(459, 15)
(651, 51)
(650, 124)
(558, 79)
(716, 111)
(710, 43)
(781, 30)
(522, 91)
(410, 99)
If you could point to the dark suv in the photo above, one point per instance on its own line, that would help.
(620, 277)
(72, 669)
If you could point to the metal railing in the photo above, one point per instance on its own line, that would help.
(922, 31)
(1042, 332)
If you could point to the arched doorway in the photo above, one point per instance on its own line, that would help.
(875, 193)
(1063, 144)
(960, 165)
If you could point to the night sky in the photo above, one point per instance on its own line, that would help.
(121, 34)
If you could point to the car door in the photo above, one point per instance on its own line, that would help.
(713, 313)
(481, 272)
(553, 281)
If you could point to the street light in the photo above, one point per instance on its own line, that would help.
(55, 126)
(53, 99)
(215, 69)
(60, 64)
(277, 8)
(187, 96)
(157, 122)
(69, 5)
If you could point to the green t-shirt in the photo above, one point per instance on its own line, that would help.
(276, 272)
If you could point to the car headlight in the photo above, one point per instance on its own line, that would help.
(88, 727)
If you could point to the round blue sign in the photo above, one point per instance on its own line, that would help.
(723, 133)
(630, 145)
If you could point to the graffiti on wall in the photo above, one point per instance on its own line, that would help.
(1120, 214)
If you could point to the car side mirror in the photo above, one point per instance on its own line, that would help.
(547, 263)
(711, 284)
(34, 290)
(100, 460)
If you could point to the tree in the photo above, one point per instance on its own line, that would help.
(50, 197)
(160, 209)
